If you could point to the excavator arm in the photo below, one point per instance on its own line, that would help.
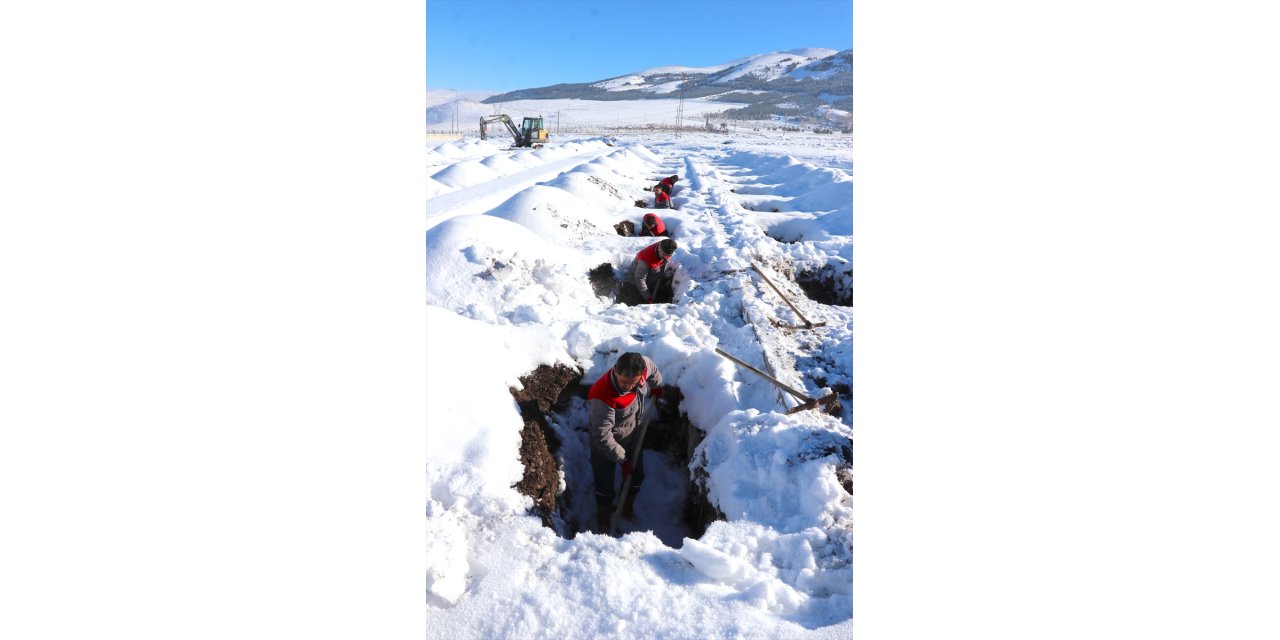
(502, 117)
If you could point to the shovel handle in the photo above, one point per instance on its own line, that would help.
(807, 324)
(767, 377)
(626, 479)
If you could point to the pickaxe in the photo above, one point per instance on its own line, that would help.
(829, 402)
(635, 457)
(807, 324)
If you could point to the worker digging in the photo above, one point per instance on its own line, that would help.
(668, 183)
(651, 276)
(653, 226)
(616, 403)
(662, 199)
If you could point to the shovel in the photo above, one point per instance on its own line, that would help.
(807, 324)
(827, 402)
(626, 480)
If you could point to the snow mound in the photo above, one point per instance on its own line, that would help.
(434, 188)
(591, 188)
(501, 164)
(554, 215)
(464, 174)
(495, 270)
(828, 197)
(758, 462)
(435, 158)
(806, 227)
(805, 576)
(646, 154)
(481, 479)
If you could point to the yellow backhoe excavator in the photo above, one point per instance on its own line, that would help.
(530, 133)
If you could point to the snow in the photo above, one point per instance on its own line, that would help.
(622, 83)
(772, 65)
(666, 87)
(570, 113)
(510, 238)
(816, 53)
(669, 69)
(802, 73)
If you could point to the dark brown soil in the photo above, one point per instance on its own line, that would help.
(546, 386)
(844, 472)
(666, 430)
(625, 228)
(629, 295)
(602, 280)
(820, 286)
(541, 475)
(699, 513)
(544, 389)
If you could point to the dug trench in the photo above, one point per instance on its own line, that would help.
(824, 286)
(604, 282)
(557, 471)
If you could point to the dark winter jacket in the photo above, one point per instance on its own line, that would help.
(616, 415)
(659, 228)
(648, 268)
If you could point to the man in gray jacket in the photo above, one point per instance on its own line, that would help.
(650, 271)
(614, 403)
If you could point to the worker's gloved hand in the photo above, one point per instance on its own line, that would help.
(626, 468)
(656, 392)
(648, 299)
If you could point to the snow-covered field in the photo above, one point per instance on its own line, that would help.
(567, 115)
(512, 236)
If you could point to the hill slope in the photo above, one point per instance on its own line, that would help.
(786, 83)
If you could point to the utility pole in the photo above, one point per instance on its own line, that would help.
(680, 108)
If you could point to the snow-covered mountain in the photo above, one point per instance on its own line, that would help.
(763, 66)
(784, 83)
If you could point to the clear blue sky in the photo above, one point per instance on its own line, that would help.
(503, 45)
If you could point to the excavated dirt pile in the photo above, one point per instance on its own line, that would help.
(545, 389)
(602, 280)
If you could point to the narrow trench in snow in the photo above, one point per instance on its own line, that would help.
(820, 286)
(554, 446)
(606, 281)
